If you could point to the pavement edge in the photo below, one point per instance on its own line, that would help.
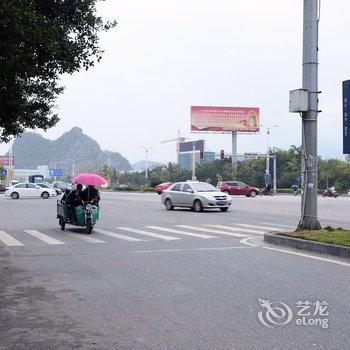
(318, 247)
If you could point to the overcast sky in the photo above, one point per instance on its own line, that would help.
(165, 56)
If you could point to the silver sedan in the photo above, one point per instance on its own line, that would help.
(195, 195)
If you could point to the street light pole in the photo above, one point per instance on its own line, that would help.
(146, 150)
(268, 132)
(309, 219)
(193, 161)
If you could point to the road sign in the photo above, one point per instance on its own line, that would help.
(56, 172)
(346, 117)
(4, 172)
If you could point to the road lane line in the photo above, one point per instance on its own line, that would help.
(43, 237)
(84, 238)
(279, 225)
(150, 234)
(117, 235)
(237, 229)
(247, 242)
(202, 229)
(190, 249)
(185, 233)
(262, 227)
(9, 240)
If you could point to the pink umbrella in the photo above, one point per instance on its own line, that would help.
(90, 179)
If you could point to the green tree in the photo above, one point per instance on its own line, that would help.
(39, 41)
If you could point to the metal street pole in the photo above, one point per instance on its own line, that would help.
(193, 161)
(146, 163)
(234, 149)
(274, 175)
(309, 219)
(267, 170)
(268, 132)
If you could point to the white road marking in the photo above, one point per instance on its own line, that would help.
(210, 230)
(84, 238)
(237, 229)
(262, 227)
(189, 249)
(279, 225)
(43, 237)
(247, 242)
(185, 233)
(9, 240)
(150, 234)
(117, 235)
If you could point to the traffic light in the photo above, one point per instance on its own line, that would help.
(201, 154)
(222, 154)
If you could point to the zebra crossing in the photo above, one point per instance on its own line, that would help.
(139, 234)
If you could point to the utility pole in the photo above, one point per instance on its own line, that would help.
(194, 161)
(274, 175)
(309, 219)
(268, 132)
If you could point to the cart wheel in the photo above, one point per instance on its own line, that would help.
(89, 226)
(62, 224)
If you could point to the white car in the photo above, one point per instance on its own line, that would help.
(29, 190)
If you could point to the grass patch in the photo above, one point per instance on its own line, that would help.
(327, 235)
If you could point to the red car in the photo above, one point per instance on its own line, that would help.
(237, 188)
(161, 187)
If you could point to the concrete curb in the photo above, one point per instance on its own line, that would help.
(298, 243)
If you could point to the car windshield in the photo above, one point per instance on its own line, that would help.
(43, 185)
(203, 187)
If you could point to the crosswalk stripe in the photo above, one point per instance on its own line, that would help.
(43, 237)
(150, 234)
(211, 230)
(9, 240)
(235, 229)
(117, 235)
(84, 238)
(185, 233)
(262, 227)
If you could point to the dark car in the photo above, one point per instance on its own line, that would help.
(161, 187)
(236, 188)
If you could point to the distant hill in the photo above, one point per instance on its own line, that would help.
(141, 165)
(31, 150)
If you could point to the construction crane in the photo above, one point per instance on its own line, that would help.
(178, 140)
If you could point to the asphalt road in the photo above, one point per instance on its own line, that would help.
(153, 279)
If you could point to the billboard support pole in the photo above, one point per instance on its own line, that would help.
(234, 149)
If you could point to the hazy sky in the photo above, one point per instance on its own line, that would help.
(165, 56)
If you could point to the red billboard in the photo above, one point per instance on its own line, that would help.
(6, 160)
(241, 119)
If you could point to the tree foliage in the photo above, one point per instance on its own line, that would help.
(331, 172)
(39, 41)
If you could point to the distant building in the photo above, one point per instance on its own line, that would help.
(22, 174)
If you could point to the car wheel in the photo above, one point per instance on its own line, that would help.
(197, 206)
(224, 209)
(45, 195)
(14, 195)
(227, 192)
(168, 204)
(252, 194)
